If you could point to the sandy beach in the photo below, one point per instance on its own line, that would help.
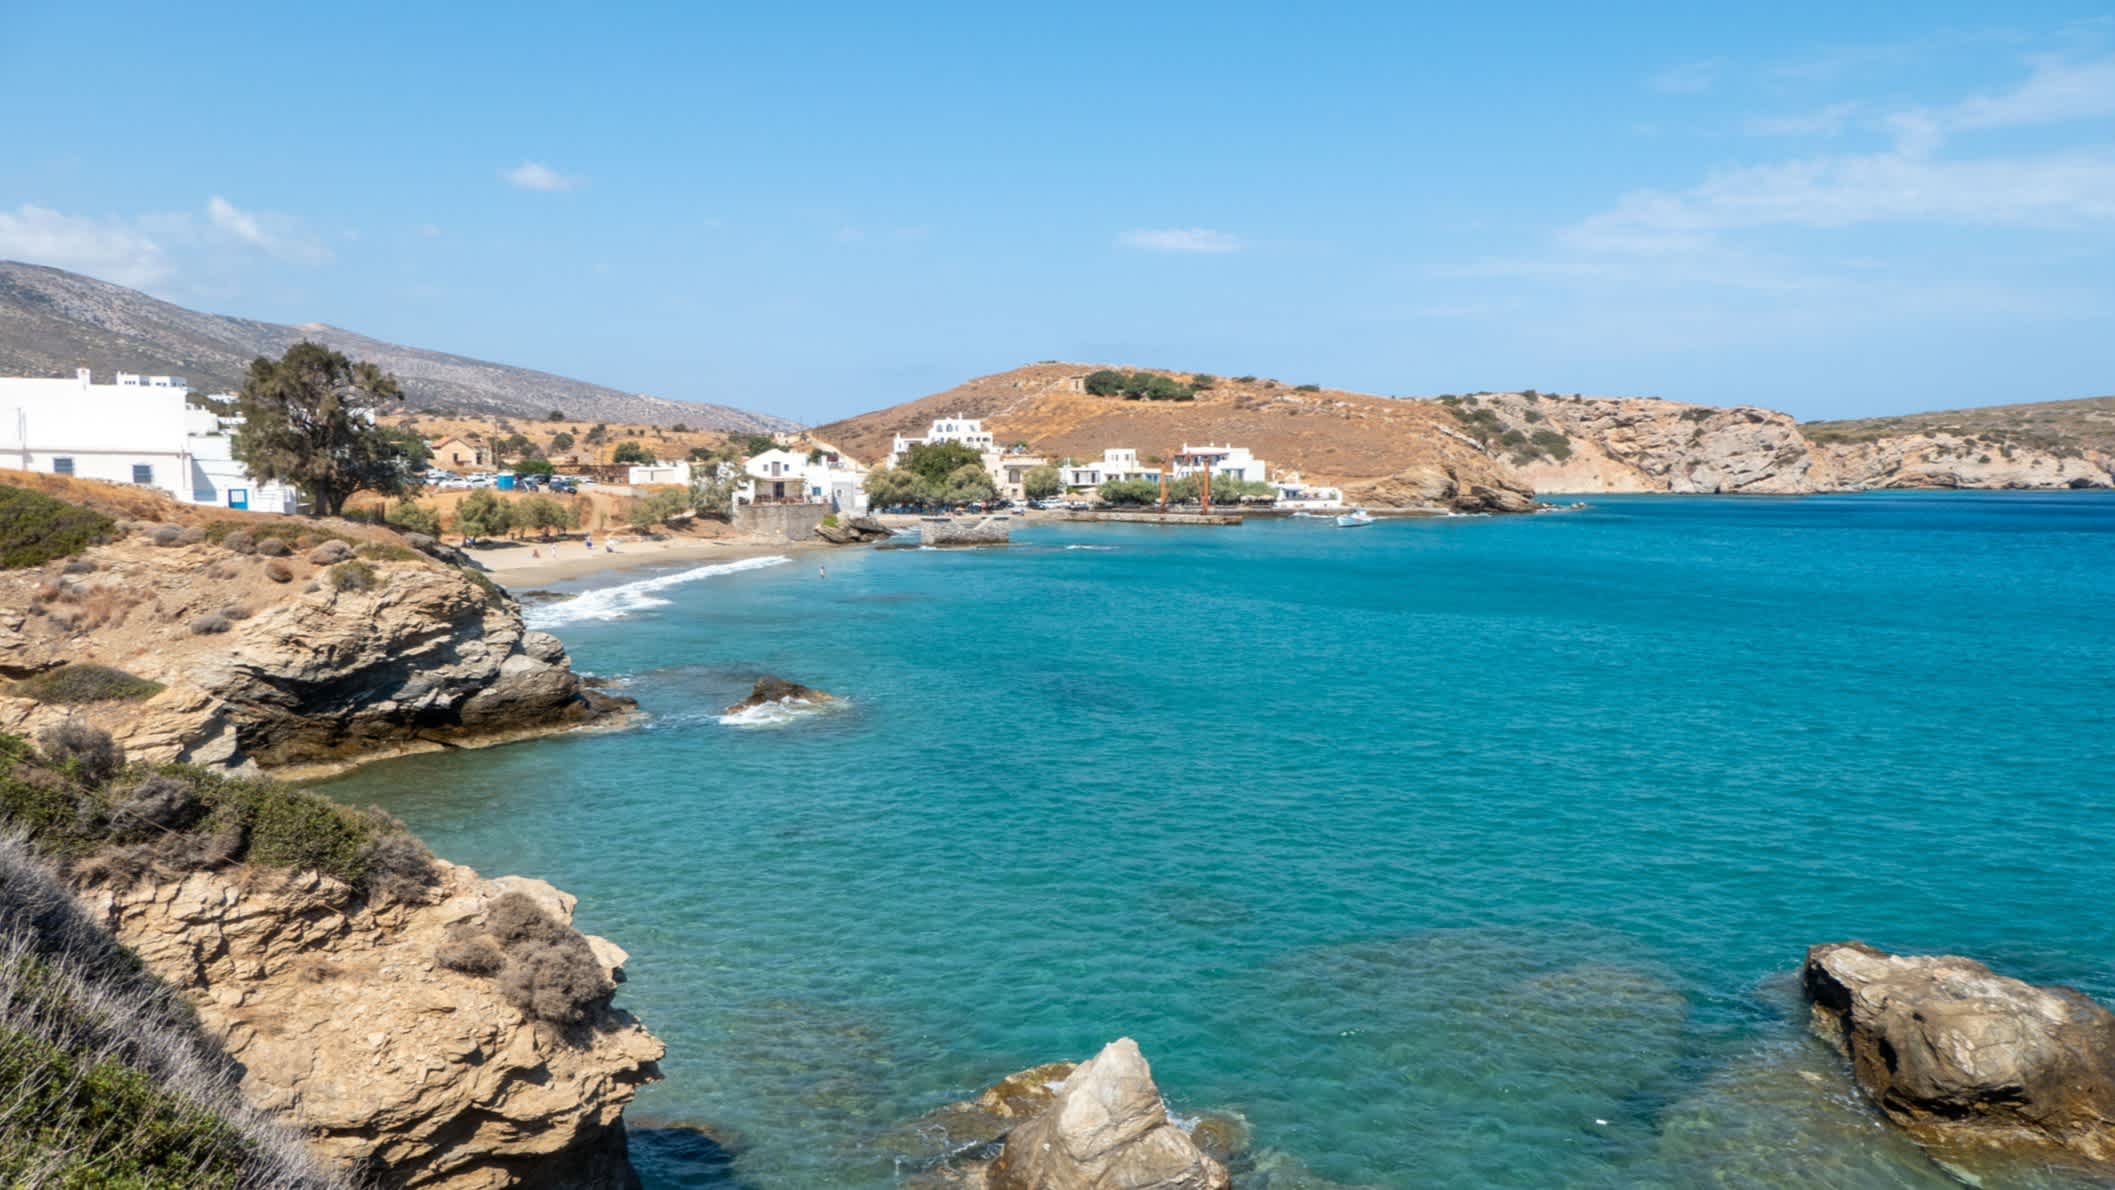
(525, 565)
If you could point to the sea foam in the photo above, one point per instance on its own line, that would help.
(619, 602)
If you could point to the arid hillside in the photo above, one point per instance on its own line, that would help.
(1550, 442)
(1372, 446)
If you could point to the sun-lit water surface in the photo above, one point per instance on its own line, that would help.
(1474, 852)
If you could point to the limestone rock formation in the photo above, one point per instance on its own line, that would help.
(1105, 1129)
(299, 676)
(769, 689)
(1441, 487)
(855, 531)
(351, 1031)
(954, 531)
(1961, 1055)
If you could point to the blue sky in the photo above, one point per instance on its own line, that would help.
(816, 210)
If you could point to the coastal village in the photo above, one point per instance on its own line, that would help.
(153, 431)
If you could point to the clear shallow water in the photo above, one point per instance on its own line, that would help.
(1460, 853)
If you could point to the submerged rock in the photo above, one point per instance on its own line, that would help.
(770, 689)
(1105, 1129)
(1959, 1054)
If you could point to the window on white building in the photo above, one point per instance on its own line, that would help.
(63, 466)
(143, 473)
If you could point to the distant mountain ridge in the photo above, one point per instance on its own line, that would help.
(53, 321)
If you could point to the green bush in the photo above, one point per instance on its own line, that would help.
(412, 517)
(35, 528)
(82, 682)
(1307, 388)
(387, 551)
(1130, 492)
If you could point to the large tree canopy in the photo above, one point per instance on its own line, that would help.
(308, 420)
(935, 461)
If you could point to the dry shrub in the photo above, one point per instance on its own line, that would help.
(157, 804)
(397, 866)
(90, 753)
(78, 566)
(471, 954)
(351, 576)
(550, 973)
(107, 606)
(85, 682)
(273, 547)
(191, 536)
(240, 541)
(329, 553)
(51, 590)
(311, 587)
(210, 624)
(278, 572)
(235, 611)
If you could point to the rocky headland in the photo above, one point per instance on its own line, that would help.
(292, 645)
(1965, 1058)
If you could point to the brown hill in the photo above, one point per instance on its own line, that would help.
(1547, 442)
(1383, 451)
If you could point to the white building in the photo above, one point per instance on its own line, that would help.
(1115, 463)
(1297, 494)
(805, 473)
(968, 431)
(652, 473)
(138, 431)
(1225, 462)
(1009, 472)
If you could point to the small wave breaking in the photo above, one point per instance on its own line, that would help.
(783, 712)
(628, 599)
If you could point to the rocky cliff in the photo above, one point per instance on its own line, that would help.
(351, 1029)
(295, 645)
(1573, 444)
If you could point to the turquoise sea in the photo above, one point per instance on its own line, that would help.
(1464, 852)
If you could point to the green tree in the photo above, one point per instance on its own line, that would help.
(1041, 483)
(482, 514)
(629, 451)
(1129, 491)
(655, 508)
(412, 517)
(597, 434)
(308, 420)
(542, 514)
(889, 486)
(936, 462)
(970, 484)
(712, 486)
(561, 441)
(1106, 382)
(410, 448)
(1203, 380)
(555, 415)
(534, 467)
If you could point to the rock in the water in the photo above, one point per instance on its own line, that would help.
(769, 689)
(1959, 1054)
(1107, 1129)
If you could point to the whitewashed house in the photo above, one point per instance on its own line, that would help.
(1224, 462)
(1297, 494)
(968, 431)
(1115, 463)
(805, 473)
(138, 430)
(642, 474)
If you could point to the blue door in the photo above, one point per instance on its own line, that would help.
(238, 497)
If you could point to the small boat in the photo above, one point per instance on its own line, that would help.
(1353, 519)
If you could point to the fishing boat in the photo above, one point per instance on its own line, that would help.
(1353, 519)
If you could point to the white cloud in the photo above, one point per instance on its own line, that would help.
(535, 175)
(106, 248)
(281, 236)
(1179, 239)
(1687, 78)
(1827, 121)
(2056, 92)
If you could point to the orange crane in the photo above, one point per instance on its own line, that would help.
(1204, 479)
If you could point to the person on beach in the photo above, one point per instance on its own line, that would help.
(822, 572)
